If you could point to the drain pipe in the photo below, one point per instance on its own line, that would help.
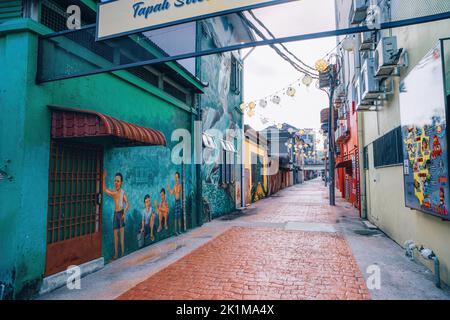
(427, 254)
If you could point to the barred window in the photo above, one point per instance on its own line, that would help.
(366, 158)
(236, 76)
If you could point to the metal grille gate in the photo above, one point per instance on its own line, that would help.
(74, 218)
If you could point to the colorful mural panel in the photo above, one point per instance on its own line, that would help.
(424, 134)
(145, 203)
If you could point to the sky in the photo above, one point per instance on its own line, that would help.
(266, 73)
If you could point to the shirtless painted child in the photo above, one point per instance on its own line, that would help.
(162, 210)
(178, 206)
(121, 207)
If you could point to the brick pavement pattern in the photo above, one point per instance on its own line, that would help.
(255, 263)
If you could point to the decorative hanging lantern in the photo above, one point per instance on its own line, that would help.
(321, 66)
(276, 99)
(348, 44)
(243, 106)
(264, 120)
(301, 132)
(307, 80)
(263, 103)
(290, 92)
(252, 105)
(251, 113)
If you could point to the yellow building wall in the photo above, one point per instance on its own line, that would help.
(385, 191)
(249, 148)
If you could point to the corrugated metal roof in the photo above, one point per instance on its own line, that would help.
(80, 123)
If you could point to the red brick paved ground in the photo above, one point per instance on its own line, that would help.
(247, 263)
(286, 212)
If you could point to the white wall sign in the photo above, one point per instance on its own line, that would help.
(121, 17)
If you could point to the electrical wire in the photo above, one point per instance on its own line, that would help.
(277, 50)
(281, 44)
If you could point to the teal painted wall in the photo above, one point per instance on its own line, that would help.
(25, 140)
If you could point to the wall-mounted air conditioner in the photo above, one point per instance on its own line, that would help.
(361, 105)
(387, 56)
(368, 40)
(358, 11)
(369, 85)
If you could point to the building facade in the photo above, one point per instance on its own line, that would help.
(281, 153)
(256, 162)
(391, 152)
(91, 167)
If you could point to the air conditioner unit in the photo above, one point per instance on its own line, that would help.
(358, 11)
(368, 40)
(369, 85)
(360, 104)
(387, 56)
(340, 91)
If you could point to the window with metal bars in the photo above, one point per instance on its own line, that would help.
(54, 14)
(388, 150)
(74, 193)
(366, 158)
(227, 172)
(236, 74)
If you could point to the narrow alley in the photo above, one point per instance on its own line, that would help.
(289, 246)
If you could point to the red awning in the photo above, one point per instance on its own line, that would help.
(79, 123)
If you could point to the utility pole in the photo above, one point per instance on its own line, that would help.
(331, 161)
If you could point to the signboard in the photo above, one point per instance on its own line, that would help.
(424, 135)
(121, 17)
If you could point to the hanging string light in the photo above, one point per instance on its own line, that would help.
(307, 80)
(276, 99)
(263, 103)
(291, 92)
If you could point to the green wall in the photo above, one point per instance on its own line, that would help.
(25, 140)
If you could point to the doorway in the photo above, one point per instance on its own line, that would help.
(74, 217)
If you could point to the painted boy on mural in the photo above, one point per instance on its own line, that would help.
(148, 218)
(162, 210)
(177, 189)
(121, 207)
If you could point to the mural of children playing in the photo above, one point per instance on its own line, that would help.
(178, 206)
(120, 199)
(148, 218)
(162, 210)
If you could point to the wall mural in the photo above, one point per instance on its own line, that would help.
(220, 112)
(424, 131)
(258, 190)
(144, 204)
